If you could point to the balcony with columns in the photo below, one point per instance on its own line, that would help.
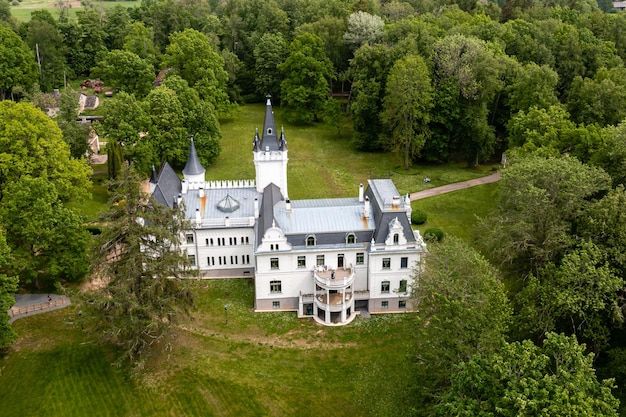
(333, 295)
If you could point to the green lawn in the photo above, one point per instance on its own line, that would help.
(26, 7)
(322, 163)
(269, 364)
(456, 213)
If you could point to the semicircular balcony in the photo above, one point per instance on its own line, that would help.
(334, 302)
(333, 278)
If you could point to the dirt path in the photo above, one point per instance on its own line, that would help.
(455, 187)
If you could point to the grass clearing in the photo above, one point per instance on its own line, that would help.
(22, 12)
(323, 164)
(257, 365)
(456, 213)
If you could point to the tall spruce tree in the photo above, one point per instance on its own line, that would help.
(138, 259)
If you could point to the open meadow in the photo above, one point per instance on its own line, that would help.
(270, 364)
(246, 364)
(24, 8)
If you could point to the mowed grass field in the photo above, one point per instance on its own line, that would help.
(269, 364)
(322, 163)
(24, 9)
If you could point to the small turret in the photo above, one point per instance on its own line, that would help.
(193, 171)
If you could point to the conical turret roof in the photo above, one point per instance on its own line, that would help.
(193, 166)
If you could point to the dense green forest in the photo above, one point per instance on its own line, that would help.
(538, 85)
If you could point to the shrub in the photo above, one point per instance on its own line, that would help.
(94, 230)
(433, 234)
(418, 217)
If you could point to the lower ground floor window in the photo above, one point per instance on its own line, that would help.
(401, 304)
(275, 304)
(384, 304)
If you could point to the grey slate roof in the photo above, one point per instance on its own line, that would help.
(269, 139)
(168, 186)
(193, 165)
(209, 204)
(381, 193)
(271, 196)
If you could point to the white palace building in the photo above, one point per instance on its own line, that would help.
(329, 259)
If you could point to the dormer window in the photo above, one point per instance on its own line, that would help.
(350, 239)
(310, 240)
(396, 239)
(269, 131)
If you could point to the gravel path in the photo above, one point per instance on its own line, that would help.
(455, 187)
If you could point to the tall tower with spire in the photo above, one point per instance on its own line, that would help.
(193, 171)
(270, 154)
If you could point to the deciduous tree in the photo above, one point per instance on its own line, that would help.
(463, 309)
(306, 72)
(126, 70)
(407, 106)
(18, 67)
(8, 287)
(31, 144)
(556, 379)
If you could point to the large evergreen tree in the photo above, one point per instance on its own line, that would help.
(138, 257)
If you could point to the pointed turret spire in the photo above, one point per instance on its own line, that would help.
(193, 171)
(257, 141)
(270, 138)
(282, 142)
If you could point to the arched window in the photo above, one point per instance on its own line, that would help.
(310, 240)
(350, 239)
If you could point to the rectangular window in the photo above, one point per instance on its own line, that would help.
(192, 260)
(301, 261)
(320, 260)
(401, 304)
(384, 287)
(189, 238)
(274, 263)
(275, 304)
(211, 240)
(230, 241)
(276, 287)
(247, 259)
(220, 259)
(219, 241)
(360, 258)
(404, 262)
(386, 263)
(402, 287)
(232, 262)
(247, 240)
(384, 304)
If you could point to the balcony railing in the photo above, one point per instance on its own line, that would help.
(334, 278)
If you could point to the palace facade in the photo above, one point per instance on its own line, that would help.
(329, 259)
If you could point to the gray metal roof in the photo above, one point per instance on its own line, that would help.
(208, 204)
(168, 186)
(383, 191)
(193, 165)
(322, 216)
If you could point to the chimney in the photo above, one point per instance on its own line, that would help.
(198, 218)
(201, 192)
(366, 211)
(395, 202)
(180, 199)
(360, 193)
(256, 207)
(185, 186)
(288, 205)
